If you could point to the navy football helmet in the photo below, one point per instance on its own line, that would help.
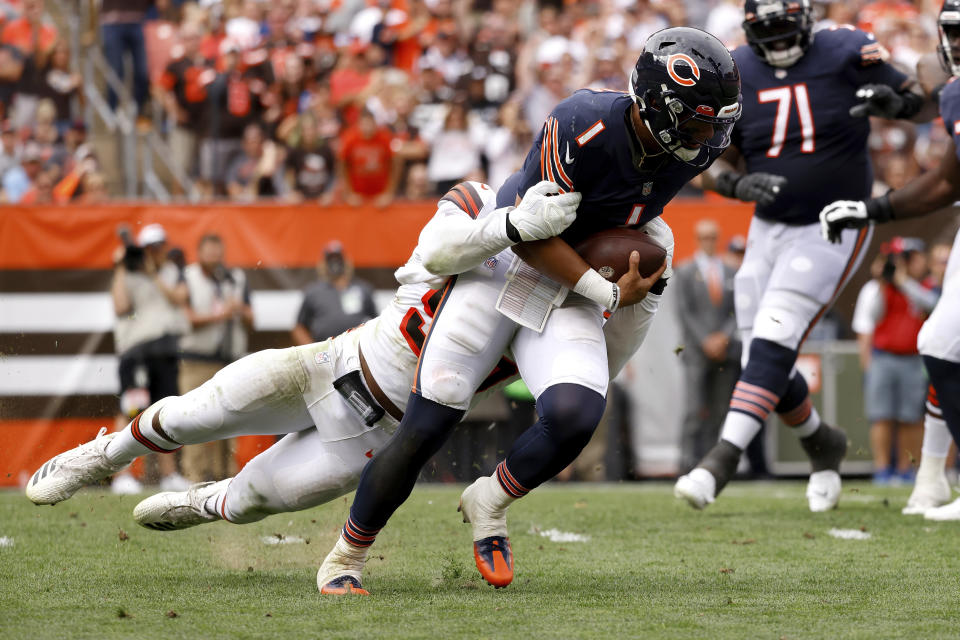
(779, 31)
(688, 89)
(948, 23)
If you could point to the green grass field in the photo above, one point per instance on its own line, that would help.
(755, 565)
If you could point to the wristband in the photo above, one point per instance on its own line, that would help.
(726, 183)
(512, 232)
(594, 286)
(880, 209)
(912, 103)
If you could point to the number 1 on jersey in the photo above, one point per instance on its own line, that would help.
(782, 96)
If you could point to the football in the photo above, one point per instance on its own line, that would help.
(608, 252)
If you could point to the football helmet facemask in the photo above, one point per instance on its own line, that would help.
(948, 25)
(779, 31)
(687, 87)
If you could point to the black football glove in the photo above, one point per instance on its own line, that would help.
(884, 101)
(853, 214)
(761, 188)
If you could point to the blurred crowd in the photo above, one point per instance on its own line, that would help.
(362, 101)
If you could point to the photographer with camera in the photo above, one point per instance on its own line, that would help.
(219, 313)
(890, 310)
(148, 294)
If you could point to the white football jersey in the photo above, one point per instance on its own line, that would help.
(391, 343)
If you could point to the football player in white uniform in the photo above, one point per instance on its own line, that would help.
(939, 339)
(338, 400)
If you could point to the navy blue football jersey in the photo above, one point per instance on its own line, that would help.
(586, 145)
(796, 121)
(950, 111)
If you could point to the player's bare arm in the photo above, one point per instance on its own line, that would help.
(924, 194)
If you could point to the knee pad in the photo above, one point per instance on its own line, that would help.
(784, 317)
(447, 383)
(570, 412)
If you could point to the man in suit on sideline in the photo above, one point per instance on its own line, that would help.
(711, 355)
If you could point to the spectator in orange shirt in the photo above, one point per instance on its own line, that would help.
(30, 33)
(367, 165)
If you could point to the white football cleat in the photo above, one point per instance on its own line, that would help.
(926, 495)
(63, 475)
(173, 510)
(945, 513)
(698, 488)
(823, 490)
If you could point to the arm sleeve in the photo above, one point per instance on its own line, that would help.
(463, 233)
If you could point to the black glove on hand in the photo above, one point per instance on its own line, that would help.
(879, 100)
(761, 188)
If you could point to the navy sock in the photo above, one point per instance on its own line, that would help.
(764, 380)
(569, 414)
(945, 378)
(388, 478)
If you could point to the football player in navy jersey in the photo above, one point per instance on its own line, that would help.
(939, 339)
(627, 155)
(801, 143)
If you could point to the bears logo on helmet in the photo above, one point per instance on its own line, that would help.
(687, 87)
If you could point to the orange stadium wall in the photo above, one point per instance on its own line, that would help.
(60, 243)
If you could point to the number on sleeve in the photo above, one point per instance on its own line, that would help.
(782, 96)
(411, 326)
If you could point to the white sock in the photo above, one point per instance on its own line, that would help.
(125, 448)
(739, 429)
(933, 454)
(492, 494)
(488, 513)
(352, 554)
(936, 437)
(809, 426)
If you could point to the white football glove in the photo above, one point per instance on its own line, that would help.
(539, 215)
(853, 214)
(840, 215)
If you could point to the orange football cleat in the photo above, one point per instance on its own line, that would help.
(344, 585)
(494, 560)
